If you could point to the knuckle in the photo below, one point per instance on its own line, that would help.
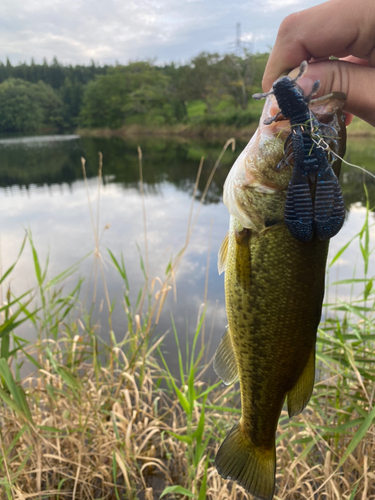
(266, 83)
(289, 24)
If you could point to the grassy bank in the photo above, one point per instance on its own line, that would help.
(99, 421)
(360, 128)
(224, 124)
(225, 121)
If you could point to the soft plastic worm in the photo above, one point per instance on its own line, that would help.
(326, 212)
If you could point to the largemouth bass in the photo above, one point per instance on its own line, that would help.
(274, 287)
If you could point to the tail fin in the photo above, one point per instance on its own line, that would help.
(253, 468)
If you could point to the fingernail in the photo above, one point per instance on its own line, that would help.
(306, 84)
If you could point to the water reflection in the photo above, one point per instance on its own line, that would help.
(42, 189)
(57, 160)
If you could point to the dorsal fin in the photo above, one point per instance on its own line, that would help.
(222, 257)
(225, 364)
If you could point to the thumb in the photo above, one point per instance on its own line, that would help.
(355, 80)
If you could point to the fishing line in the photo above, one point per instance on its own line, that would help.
(356, 166)
(327, 148)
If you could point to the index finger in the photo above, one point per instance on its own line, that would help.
(337, 27)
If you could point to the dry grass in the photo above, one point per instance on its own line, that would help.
(84, 442)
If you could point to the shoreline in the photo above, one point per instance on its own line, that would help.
(183, 132)
(179, 131)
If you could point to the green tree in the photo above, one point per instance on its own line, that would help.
(71, 94)
(214, 77)
(138, 92)
(237, 77)
(27, 107)
(177, 89)
(203, 80)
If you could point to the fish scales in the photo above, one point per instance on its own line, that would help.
(260, 303)
(274, 287)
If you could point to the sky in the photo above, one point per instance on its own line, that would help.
(110, 31)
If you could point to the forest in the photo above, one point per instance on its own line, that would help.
(210, 89)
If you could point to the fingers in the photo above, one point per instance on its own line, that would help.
(355, 80)
(338, 27)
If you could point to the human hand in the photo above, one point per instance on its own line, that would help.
(340, 28)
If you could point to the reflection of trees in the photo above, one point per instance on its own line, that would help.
(352, 181)
(59, 162)
(24, 164)
(164, 160)
(360, 152)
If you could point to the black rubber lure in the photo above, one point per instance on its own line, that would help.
(325, 214)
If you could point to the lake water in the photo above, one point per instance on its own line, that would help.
(42, 189)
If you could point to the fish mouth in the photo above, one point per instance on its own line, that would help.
(255, 189)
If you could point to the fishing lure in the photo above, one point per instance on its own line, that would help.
(325, 213)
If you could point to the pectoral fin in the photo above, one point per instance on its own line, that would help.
(225, 364)
(300, 395)
(222, 257)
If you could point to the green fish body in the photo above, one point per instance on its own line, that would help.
(274, 287)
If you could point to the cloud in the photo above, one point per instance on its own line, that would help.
(272, 5)
(77, 31)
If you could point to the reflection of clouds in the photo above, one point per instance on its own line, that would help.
(61, 226)
(60, 223)
(36, 141)
(350, 263)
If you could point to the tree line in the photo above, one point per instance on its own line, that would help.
(211, 87)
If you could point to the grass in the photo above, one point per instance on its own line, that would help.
(360, 128)
(225, 120)
(97, 421)
(196, 108)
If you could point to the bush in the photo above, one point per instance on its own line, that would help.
(129, 94)
(27, 107)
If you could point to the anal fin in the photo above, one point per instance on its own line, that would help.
(225, 364)
(300, 395)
